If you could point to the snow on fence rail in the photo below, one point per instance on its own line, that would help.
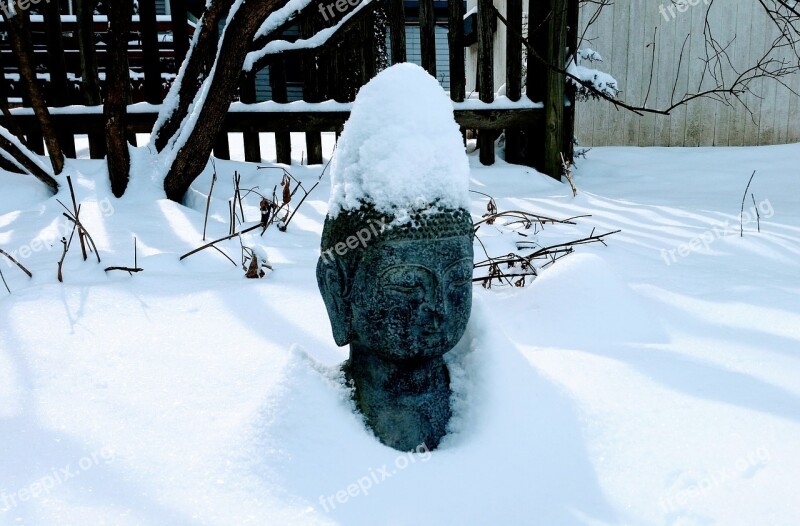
(270, 116)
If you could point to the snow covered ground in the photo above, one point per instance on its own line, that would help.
(653, 381)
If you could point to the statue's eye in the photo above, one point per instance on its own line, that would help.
(460, 274)
(405, 279)
(406, 285)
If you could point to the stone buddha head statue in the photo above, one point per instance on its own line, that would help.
(401, 299)
(396, 265)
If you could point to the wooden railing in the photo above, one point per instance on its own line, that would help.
(252, 119)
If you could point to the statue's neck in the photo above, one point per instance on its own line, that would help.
(403, 378)
(405, 403)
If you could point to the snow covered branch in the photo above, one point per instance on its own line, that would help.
(274, 48)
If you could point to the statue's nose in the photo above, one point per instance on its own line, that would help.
(435, 306)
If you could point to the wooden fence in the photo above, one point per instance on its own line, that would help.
(642, 45)
(534, 132)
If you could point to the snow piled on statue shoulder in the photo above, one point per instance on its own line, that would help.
(401, 148)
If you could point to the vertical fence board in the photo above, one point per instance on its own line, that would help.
(427, 36)
(485, 75)
(455, 39)
(554, 97)
(180, 33)
(152, 68)
(704, 121)
(277, 79)
(513, 73)
(312, 75)
(59, 92)
(368, 58)
(568, 133)
(397, 30)
(252, 144)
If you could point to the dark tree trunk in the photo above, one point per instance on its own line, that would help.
(193, 156)
(117, 94)
(90, 80)
(201, 59)
(20, 36)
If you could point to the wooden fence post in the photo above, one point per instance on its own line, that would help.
(180, 33)
(312, 74)
(252, 144)
(486, 75)
(569, 111)
(397, 30)
(455, 40)
(152, 67)
(59, 93)
(277, 80)
(368, 55)
(513, 74)
(555, 90)
(538, 12)
(90, 79)
(427, 36)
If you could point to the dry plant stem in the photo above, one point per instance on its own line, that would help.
(741, 211)
(568, 174)
(4, 281)
(758, 215)
(283, 227)
(224, 254)
(519, 214)
(66, 249)
(208, 201)
(134, 268)
(76, 211)
(239, 195)
(211, 244)
(545, 250)
(17, 263)
(126, 269)
(78, 224)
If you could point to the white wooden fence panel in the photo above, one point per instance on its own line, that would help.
(624, 35)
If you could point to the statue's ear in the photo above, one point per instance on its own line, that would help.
(334, 285)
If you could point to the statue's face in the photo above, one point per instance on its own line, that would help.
(412, 299)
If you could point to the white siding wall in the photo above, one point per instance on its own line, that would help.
(414, 52)
(624, 34)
